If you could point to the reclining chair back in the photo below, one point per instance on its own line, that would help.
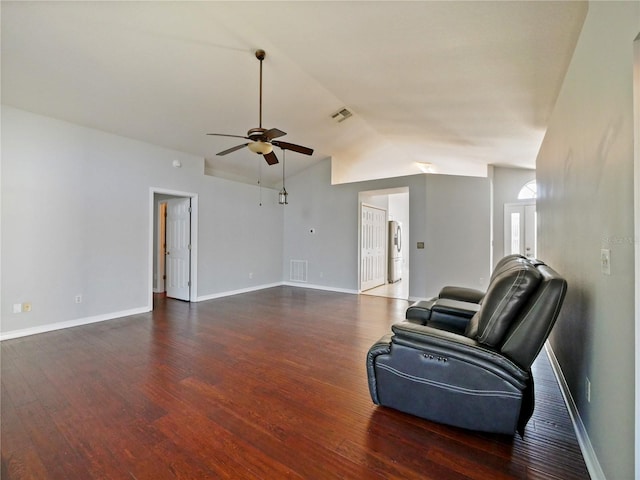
(519, 310)
(472, 295)
(526, 336)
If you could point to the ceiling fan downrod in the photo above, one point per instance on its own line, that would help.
(260, 54)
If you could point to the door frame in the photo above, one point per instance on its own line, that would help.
(159, 285)
(636, 241)
(362, 198)
(193, 267)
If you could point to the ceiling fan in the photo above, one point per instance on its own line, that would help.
(261, 140)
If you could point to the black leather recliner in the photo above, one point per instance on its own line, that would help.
(469, 364)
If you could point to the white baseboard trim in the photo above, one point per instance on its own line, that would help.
(228, 293)
(23, 332)
(589, 454)
(278, 284)
(110, 316)
(320, 287)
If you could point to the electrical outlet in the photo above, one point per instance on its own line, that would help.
(78, 298)
(587, 385)
(26, 307)
(17, 308)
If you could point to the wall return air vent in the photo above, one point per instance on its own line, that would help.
(298, 271)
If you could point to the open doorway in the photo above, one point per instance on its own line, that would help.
(383, 239)
(173, 244)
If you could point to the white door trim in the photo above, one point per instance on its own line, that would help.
(194, 240)
(159, 285)
(636, 210)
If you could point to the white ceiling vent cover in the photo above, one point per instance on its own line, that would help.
(298, 271)
(341, 115)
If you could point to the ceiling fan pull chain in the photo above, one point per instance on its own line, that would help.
(260, 183)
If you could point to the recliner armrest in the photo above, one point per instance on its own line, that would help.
(381, 347)
(462, 294)
(452, 315)
(445, 344)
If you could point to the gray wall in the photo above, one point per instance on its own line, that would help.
(585, 203)
(76, 211)
(458, 232)
(449, 213)
(75, 220)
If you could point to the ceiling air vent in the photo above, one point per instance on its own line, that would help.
(341, 115)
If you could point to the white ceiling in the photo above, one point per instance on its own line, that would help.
(457, 84)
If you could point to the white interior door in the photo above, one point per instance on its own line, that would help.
(178, 259)
(373, 246)
(520, 229)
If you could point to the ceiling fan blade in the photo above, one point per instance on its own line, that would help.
(273, 133)
(227, 135)
(271, 158)
(294, 147)
(232, 149)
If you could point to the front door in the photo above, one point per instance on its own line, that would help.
(178, 253)
(520, 229)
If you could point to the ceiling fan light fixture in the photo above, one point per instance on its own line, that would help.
(261, 148)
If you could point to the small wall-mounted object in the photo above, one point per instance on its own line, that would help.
(426, 167)
(177, 164)
(605, 261)
(420, 245)
(21, 307)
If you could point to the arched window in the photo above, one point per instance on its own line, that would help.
(529, 191)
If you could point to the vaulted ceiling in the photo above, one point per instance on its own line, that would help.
(458, 85)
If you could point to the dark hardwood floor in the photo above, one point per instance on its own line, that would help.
(264, 385)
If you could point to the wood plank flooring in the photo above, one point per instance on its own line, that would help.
(264, 385)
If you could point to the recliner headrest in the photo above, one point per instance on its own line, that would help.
(508, 292)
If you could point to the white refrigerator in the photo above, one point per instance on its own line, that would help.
(395, 251)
